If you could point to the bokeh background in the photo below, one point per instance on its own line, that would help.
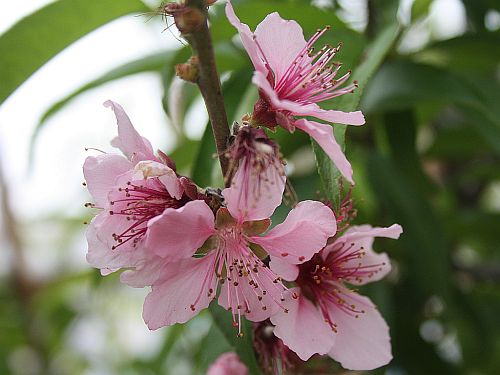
(428, 159)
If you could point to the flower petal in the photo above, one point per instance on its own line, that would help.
(303, 233)
(362, 237)
(246, 38)
(363, 343)
(330, 115)
(281, 41)
(257, 303)
(178, 233)
(181, 292)
(323, 134)
(228, 364)
(282, 268)
(303, 329)
(129, 141)
(149, 168)
(101, 173)
(145, 272)
(99, 253)
(253, 195)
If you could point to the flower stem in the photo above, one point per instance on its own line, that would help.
(209, 83)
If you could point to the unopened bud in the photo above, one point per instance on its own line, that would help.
(188, 71)
(187, 19)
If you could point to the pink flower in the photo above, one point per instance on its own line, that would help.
(130, 190)
(255, 158)
(325, 317)
(231, 244)
(227, 364)
(292, 80)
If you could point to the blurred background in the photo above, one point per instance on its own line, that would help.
(428, 159)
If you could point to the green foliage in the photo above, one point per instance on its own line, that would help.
(37, 38)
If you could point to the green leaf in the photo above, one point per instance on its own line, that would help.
(420, 8)
(426, 250)
(404, 84)
(242, 345)
(37, 38)
(146, 64)
(329, 174)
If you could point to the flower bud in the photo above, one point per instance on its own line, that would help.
(188, 71)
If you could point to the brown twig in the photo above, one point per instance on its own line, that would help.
(208, 81)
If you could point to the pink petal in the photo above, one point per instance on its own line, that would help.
(145, 272)
(100, 175)
(129, 141)
(246, 38)
(363, 343)
(303, 233)
(337, 117)
(362, 237)
(252, 196)
(303, 329)
(281, 41)
(99, 253)
(181, 292)
(228, 364)
(323, 134)
(247, 296)
(178, 233)
(282, 268)
(149, 169)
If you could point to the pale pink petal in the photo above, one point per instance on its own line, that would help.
(254, 291)
(181, 292)
(129, 141)
(330, 115)
(145, 272)
(363, 343)
(149, 169)
(228, 364)
(247, 297)
(323, 134)
(303, 233)
(178, 233)
(283, 268)
(360, 238)
(303, 329)
(100, 255)
(252, 196)
(101, 173)
(281, 41)
(246, 38)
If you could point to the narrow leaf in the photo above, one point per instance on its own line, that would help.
(37, 38)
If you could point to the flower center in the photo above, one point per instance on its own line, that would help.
(248, 286)
(138, 202)
(322, 280)
(310, 78)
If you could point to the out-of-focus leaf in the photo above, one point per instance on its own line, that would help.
(423, 238)
(476, 54)
(420, 8)
(375, 55)
(40, 36)
(152, 63)
(242, 345)
(403, 84)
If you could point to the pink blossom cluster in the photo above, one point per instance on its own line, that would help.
(191, 246)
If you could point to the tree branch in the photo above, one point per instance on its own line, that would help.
(209, 83)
